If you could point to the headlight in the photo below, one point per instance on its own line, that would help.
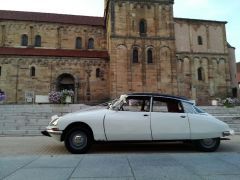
(54, 120)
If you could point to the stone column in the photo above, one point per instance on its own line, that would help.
(31, 36)
(88, 92)
(59, 37)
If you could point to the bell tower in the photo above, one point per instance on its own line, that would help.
(141, 45)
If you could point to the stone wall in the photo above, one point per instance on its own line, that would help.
(202, 46)
(53, 35)
(124, 36)
(16, 80)
(25, 120)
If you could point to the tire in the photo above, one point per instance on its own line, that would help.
(78, 140)
(208, 145)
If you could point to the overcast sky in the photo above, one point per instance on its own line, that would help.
(222, 10)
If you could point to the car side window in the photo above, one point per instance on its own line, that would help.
(137, 104)
(167, 105)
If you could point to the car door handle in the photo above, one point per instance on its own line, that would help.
(145, 115)
(183, 116)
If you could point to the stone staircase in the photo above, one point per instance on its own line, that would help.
(30, 120)
(22, 120)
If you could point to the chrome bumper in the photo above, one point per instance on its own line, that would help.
(228, 133)
(53, 132)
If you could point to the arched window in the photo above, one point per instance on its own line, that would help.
(24, 40)
(142, 27)
(200, 73)
(135, 56)
(91, 43)
(38, 41)
(78, 43)
(98, 73)
(32, 72)
(149, 56)
(200, 41)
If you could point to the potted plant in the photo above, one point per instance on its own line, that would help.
(64, 96)
(2, 96)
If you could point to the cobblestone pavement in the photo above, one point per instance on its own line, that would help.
(40, 158)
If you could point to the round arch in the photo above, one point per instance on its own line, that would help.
(65, 81)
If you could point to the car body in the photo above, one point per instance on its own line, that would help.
(139, 117)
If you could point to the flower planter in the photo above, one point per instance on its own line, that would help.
(68, 99)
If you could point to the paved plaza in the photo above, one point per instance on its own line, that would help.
(40, 158)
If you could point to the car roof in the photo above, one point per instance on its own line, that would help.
(159, 95)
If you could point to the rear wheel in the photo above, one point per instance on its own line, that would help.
(78, 140)
(208, 145)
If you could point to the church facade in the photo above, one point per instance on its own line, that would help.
(138, 46)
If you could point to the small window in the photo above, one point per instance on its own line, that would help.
(135, 56)
(167, 105)
(78, 43)
(200, 73)
(32, 72)
(149, 56)
(24, 40)
(38, 41)
(142, 27)
(0, 70)
(200, 41)
(91, 43)
(98, 73)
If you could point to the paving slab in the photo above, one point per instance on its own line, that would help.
(41, 174)
(121, 178)
(206, 164)
(158, 166)
(9, 165)
(58, 161)
(222, 177)
(103, 166)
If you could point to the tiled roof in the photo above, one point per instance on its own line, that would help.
(52, 18)
(199, 20)
(54, 52)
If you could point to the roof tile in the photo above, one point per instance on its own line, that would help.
(53, 18)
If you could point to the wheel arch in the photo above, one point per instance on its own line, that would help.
(77, 125)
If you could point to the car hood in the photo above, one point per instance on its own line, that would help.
(88, 113)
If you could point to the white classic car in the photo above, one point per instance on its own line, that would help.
(140, 117)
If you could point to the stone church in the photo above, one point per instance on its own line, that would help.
(138, 46)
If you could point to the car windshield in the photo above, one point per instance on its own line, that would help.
(198, 110)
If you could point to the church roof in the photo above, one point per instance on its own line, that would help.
(200, 20)
(54, 52)
(52, 18)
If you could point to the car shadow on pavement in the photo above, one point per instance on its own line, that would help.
(167, 147)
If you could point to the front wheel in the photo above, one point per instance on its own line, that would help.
(208, 145)
(78, 141)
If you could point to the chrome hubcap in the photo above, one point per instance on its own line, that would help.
(79, 140)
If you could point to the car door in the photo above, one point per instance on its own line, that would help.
(168, 120)
(130, 122)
